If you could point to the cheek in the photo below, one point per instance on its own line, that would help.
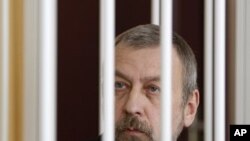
(118, 110)
(177, 100)
(177, 116)
(158, 127)
(154, 120)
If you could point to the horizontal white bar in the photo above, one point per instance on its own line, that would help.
(208, 70)
(47, 70)
(219, 79)
(107, 45)
(166, 69)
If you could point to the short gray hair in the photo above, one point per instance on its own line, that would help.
(149, 36)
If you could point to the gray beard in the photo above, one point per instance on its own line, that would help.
(131, 138)
(130, 121)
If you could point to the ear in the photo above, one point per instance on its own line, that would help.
(191, 108)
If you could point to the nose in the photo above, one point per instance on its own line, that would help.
(134, 104)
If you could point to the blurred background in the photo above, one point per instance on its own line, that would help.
(78, 63)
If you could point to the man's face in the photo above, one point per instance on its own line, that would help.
(137, 94)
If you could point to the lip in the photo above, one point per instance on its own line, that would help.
(132, 131)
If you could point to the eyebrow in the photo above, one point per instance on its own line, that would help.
(151, 78)
(122, 75)
(145, 79)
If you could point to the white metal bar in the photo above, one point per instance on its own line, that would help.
(247, 67)
(5, 71)
(101, 67)
(166, 69)
(101, 97)
(30, 118)
(47, 68)
(107, 45)
(219, 80)
(240, 42)
(208, 70)
(155, 12)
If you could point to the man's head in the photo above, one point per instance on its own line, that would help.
(137, 85)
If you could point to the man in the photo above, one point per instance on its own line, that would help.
(138, 89)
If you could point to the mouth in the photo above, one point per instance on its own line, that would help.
(133, 131)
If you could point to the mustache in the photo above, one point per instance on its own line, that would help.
(133, 122)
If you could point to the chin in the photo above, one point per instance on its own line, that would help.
(132, 137)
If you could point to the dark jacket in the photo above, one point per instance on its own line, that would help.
(96, 139)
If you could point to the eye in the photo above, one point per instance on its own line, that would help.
(153, 89)
(120, 85)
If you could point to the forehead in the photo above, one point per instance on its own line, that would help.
(143, 62)
(141, 56)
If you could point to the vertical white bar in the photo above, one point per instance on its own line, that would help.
(101, 108)
(219, 79)
(155, 12)
(247, 67)
(101, 66)
(5, 71)
(166, 69)
(30, 116)
(47, 68)
(208, 70)
(240, 61)
(107, 45)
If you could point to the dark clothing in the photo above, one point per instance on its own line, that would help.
(96, 139)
